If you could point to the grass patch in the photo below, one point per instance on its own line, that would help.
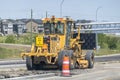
(2, 39)
(21, 39)
(9, 53)
(107, 52)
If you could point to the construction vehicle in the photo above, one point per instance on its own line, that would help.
(58, 40)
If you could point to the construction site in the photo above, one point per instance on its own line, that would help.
(56, 48)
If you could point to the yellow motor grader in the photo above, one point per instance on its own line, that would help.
(59, 39)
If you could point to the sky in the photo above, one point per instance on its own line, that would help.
(106, 10)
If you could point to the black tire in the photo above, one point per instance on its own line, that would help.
(29, 63)
(90, 57)
(61, 55)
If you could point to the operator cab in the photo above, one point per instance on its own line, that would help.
(59, 26)
(54, 28)
(58, 32)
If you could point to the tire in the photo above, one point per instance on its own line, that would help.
(61, 55)
(29, 63)
(90, 57)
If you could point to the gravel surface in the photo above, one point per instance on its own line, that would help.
(22, 72)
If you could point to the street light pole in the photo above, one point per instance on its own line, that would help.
(97, 12)
(61, 8)
(97, 33)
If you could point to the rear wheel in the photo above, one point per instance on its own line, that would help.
(90, 57)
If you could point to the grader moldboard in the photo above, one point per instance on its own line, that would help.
(58, 40)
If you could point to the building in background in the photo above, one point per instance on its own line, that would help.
(10, 26)
(7, 26)
(19, 27)
(35, 25)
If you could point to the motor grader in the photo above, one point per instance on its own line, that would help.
(58, 40)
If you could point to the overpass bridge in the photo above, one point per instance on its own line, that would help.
(100, 27)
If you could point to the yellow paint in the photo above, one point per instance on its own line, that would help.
(83, 63)
(39, 41)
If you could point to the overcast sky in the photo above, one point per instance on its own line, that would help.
(77, 9)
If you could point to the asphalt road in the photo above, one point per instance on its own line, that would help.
(109, 71)
(115, 57)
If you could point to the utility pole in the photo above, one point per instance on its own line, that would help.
(61, 8)
(46, 14)
(1, 26)
(31, 24)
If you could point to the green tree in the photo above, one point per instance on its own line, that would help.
(102, 40)
(112, 42)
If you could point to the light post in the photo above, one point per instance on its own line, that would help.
(97, 33)
(61, 8)
(97, 12)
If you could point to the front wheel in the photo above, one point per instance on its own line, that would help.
(29, 63)
(61, 55)
(90, 57)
